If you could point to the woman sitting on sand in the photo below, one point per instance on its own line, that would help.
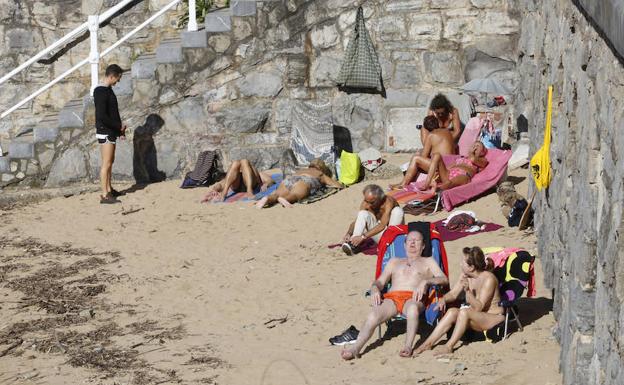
(480, 310)
(241, 176)
(300, 185)
(460, 172)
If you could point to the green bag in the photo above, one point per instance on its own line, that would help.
(349, 168)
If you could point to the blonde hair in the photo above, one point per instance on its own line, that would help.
(320, 165)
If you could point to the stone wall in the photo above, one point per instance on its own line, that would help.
(579, 218)
(236, 94)
(27, 27)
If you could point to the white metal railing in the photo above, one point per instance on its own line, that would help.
(92, 25)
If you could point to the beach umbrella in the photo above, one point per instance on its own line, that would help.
(489, 86)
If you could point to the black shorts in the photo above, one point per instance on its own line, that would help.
(103, 139)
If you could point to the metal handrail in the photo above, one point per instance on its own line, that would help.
(92, 25)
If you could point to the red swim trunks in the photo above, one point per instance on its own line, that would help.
(399, 298)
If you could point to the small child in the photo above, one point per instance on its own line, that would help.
(431, 123)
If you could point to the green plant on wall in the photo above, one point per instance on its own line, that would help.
(202, 7)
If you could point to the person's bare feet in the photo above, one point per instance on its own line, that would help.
(284, 202)
(250, 195)
(442, 350)
(210, 196)
(260, 204)
(405, 352)
(422, 348)
(348, 355)
(396, 186)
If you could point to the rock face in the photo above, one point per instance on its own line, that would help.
(579, 219)
(230, 85)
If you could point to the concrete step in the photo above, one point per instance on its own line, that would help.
(144, 67)
(194, 39)
(169, 51)
(46, 130)
(219, 21)
(243, 8)
(72, 115)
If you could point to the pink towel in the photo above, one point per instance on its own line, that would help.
(483, 181)
(469, 136)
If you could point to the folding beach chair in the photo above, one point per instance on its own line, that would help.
(392, 245)
(513, 278)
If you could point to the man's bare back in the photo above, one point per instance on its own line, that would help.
(441, 142)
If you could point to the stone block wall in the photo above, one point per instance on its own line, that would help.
(236, 94)
(579, 218)
(27, 27)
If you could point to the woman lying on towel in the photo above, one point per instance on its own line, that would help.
(242, 176)
(300, 185)
(480, 310)
(459, 173)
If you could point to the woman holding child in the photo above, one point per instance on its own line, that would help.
(480, 311)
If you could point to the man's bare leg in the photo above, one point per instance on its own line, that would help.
(412, 310)
(232, 179)
(250, 175)
(436, 165)
(441, 328)
(379, 315)
(107, 152)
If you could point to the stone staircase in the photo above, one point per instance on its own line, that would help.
(32, 156)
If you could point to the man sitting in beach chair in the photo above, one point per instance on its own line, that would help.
(377, 212)
(410, 277)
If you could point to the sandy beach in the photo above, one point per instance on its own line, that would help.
(162, 289)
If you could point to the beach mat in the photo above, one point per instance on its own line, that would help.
(448, 235)
(322, 193)
(404, 196)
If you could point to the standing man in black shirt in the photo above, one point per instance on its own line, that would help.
(108, 128)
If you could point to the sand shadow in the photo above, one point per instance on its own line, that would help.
(395, 329)
(516, 180)
(145, 159)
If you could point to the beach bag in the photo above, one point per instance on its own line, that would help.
(208, 170)
(349, 168)
(360, 68)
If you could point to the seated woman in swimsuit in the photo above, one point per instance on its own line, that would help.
(480, 310)
(241, 176)
(460, 173)
(302, 184)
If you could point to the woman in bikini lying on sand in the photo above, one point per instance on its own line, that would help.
(459, 173)
(302, 184)
(481, 310)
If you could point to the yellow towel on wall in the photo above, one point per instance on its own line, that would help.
(540, 163)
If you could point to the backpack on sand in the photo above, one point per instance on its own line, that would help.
(208, 170)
